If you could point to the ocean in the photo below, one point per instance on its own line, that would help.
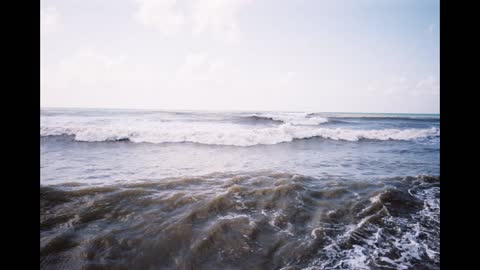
(145, 189)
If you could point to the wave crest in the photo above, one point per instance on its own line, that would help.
(268, 220)
(228, 134)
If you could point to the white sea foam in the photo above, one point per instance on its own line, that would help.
(217, 133)
(413, 238)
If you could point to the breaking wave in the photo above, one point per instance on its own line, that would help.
(260, 220)
(390, 117)
(228, 134)
(262, 119)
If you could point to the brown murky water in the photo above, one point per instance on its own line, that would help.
(242, 221)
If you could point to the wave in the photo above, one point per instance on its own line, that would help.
(288, 118)
(413, 117)
(264, 220)
(256, 118)
(299, 119)
(388, 118)
(227, 134)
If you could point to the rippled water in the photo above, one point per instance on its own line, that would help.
(314, 202)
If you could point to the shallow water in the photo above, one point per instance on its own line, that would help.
(240, 221)
(143, 196)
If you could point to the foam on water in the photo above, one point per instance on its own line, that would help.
(265, 220)
(393, 241)
(223, 133)
(163, 197)
(237, 129)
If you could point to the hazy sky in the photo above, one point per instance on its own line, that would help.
(300, 55)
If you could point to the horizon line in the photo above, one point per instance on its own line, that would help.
(230, 110)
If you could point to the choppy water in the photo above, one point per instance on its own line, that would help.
(128, 189)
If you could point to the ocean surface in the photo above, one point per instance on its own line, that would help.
(139, 189)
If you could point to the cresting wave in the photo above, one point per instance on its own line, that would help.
(296, 119)
(262, 220)
(287, 119)
(256, 118)
(399, 117)
(229, 134)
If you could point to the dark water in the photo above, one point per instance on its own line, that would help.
(190, 190)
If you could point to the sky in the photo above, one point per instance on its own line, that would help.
(285, 55)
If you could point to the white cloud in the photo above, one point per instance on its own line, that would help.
(429, 85)
(165, 15)
(199, 67)
(88, 68)
(175, 56)
(389, 86)
(218, 18)
(90, 76)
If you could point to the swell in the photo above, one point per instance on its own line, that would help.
(261, 119)
(265, 220)
(378, 117)
(233, 135)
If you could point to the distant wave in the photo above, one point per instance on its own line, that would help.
(388, 118)
(377, 117)
(294, 119)
(256, 118)
(230, 134)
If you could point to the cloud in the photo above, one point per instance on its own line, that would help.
(49, 19)
(199, 67)
(429, 85)
(165, 15)
(293, 66)
(218, 18)
(85, 70)
(91, 76)
(390, 86)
